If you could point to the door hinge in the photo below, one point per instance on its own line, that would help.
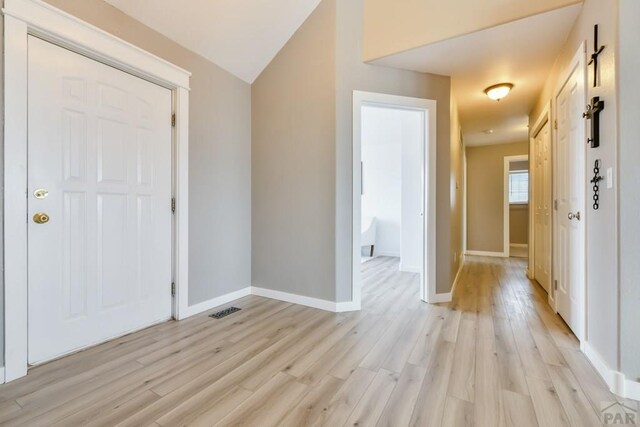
(173, 205)
(173, 289)
(555, 124)
(555, 204)
(173, 120)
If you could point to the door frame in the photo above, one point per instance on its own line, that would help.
(506, 221)
(360, 99)
(34, 17)
(543, 119)
(578, 62)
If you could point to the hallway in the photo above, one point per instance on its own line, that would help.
(495, 356)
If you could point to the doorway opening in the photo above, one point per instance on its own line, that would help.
(394, 189)
(516, 206)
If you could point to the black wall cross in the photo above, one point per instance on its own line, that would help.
(597, 50)
(593, 114)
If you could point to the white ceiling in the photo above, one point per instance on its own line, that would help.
(241, 36)
(520, 52)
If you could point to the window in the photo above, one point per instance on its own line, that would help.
(518, 187)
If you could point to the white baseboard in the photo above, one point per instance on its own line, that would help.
(295, 299)
(343, 307)
(440, 298)
(617, 382)
(409, 268)
(192, 310)
(457, 278)
(448, 297)
(386, 253)
(485, 253)
(519, 245)
(336, 307)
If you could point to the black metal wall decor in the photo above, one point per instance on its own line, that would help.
(597, 50)
(593, 114)
(596, 185)
(596, 106)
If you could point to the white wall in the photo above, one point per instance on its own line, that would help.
(391, 153)
(382, 176)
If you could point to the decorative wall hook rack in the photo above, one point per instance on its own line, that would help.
(597, 50)
(593, 114)
(596, 185)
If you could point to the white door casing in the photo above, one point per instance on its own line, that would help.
(428, 277)
(100, 145)
(542, 206)
(24, 17)
(570, 195)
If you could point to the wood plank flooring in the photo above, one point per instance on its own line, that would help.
(495, 356)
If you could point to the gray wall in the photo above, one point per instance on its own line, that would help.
(293, 161)
(302, 163)
(629, 177)
(519, 224)
(485, 194)
(219, 155)
(602, 229)
(353, 74)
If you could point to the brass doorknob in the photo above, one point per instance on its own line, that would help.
(40, 218)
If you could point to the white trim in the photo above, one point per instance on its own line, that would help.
(428, 278)
(386, 253)
(505, 218)
(409, 268)
(617, 382)
(464, 200)
(66, 30)
(486, 253)
(24, 17)
(519, 245)
(343, 307)
(2, 378)
(216, 302)
(441, 298)
(181, 194)
(294, 298)
(448, 297)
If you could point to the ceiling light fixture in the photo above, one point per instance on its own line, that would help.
(499, 91)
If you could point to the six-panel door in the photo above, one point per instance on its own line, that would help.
(100, 148)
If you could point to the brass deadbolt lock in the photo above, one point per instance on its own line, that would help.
(40, 218)
(40, 193)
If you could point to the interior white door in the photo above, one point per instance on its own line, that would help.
(100, 153)
(542, 207)
(571, 188)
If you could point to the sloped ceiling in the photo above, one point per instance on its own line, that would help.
(521, 52)
(241, 36)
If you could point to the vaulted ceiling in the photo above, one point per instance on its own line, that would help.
(241, 36)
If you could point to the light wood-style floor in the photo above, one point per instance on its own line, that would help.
(495, 356)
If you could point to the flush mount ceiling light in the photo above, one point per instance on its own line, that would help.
(499, 91)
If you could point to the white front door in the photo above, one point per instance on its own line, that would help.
(571, 188)
(542, 207)
(99, 156)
